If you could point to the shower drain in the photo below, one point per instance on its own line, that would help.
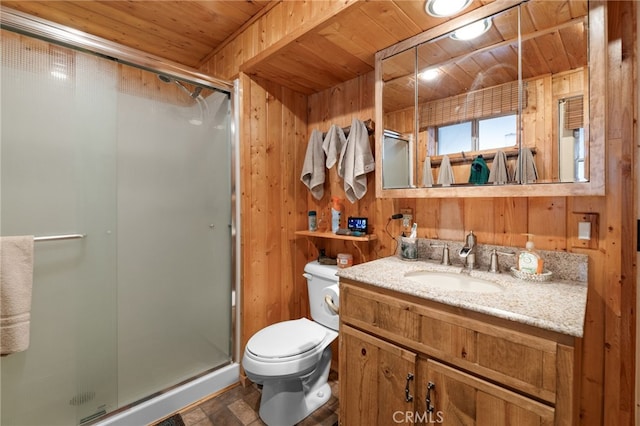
(82, 398)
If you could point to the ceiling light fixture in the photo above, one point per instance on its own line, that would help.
(445, 8)
(429, 75)
(471, 31)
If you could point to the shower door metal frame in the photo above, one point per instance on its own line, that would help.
(59, 34)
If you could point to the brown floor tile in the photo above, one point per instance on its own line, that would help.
(204, 422)
(239, 406)
(193, 416)
(243, 411)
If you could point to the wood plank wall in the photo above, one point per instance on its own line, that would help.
(273, 204)
(274, 129)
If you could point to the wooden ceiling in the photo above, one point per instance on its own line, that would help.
(186, 32)
(190, 32)
(554, 40)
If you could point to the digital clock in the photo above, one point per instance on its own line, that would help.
(357, 224)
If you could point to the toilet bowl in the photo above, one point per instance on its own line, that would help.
(292, 359)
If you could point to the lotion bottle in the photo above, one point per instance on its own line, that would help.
(529, 260)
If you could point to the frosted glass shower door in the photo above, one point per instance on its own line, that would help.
(58, 177)
(142, 167)
(174, 237)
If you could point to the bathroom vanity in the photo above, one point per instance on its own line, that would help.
(416, 354)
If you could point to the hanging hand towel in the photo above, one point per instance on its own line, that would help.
(427, 174)
(357, 160)
(16, 280)
(445, 175)
(332, 146)
(499, 173)
(479, 171)
(313, 168)
(529, 172)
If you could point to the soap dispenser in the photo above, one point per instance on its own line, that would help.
(529, 260)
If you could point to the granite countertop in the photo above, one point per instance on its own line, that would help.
(556, 305)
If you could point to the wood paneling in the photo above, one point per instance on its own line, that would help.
(184, 32)
(606, 362)
(273, 205)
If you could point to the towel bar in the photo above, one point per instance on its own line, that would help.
(59, 237)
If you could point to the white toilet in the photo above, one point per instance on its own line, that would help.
(291, 359)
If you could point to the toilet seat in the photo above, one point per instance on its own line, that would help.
(284, 359)
(286, 339)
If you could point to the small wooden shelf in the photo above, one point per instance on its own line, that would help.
(331, 235)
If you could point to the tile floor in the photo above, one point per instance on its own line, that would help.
(239, 407)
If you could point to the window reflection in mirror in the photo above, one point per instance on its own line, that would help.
(471, 103)
(477, 135)
(464, 96)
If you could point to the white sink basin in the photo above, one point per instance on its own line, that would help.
(453, 281)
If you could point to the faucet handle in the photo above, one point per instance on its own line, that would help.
(446, 260)
(470, 239)
(494, 266)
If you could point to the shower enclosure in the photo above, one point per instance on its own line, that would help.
(129, 171)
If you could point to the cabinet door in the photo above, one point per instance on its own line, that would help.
(457, 398)
(377, 380)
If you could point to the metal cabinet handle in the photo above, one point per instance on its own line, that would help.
(430, 408)
(407, 395)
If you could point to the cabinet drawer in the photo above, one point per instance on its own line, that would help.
(530, 365)
(447, 339)
(460, 398)
(387, 316)
(524, 362)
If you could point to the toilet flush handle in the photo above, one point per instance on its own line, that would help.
(329, 301)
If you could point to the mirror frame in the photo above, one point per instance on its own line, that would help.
(597, 109)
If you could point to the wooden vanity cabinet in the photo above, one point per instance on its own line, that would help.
(483, 370)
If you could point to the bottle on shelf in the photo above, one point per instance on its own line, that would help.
(336, 213)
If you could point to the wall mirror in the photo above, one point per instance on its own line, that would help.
(501, 101)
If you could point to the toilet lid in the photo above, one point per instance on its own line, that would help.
(285, 339)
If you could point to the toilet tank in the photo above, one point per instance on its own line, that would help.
(322, 281)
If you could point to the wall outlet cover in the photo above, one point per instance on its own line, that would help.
(584, 230)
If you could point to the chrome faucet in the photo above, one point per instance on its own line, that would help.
(468, 252)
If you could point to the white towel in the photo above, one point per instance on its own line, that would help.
(499, 173)
(427, 175)
(313, 168)
(529, 172)
(357, 160)
(445, 175)
(332, 146)
(16, 280)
